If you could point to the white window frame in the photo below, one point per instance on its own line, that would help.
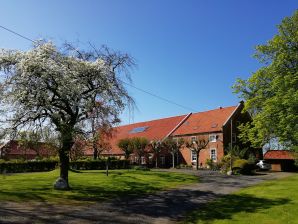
(193, 138)
(215, 154)
(143, 160)
(214, 138)
(193, 156)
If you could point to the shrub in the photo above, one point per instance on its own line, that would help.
(224, 164)
(184, 166)
(98, 164)
(209, 163)
(242, 166)
(239, 163)
(27, 166)
(252, 159)
(143, 168)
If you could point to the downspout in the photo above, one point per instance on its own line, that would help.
(231, 133)
(230, 118)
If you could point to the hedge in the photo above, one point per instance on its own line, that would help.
(27, 166)
(47, 165)
(99, 164)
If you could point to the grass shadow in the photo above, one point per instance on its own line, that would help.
(229, 205)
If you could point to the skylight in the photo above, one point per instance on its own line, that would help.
(214, 125)
(138, 130)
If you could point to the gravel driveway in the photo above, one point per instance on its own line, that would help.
(163, 207)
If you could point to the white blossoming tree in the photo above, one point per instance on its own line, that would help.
(62, 88)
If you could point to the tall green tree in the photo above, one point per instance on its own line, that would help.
(271, 93)
(235, 152)
(62, 87)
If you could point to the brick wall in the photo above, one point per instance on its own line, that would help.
(204, 153)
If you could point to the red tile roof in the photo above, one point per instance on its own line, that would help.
(154, 130)
(279, 154)
(207, 121)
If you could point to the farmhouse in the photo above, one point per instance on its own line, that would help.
(14, 149)
(218, 125)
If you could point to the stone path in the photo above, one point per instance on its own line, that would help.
(164, 207)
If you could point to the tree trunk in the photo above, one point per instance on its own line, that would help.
(107, 166)
(197, 162)
(173, 158)
(95, 151)
(156, 158)
(64, 166)
(62, 182)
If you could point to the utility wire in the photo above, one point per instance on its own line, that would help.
(128, 84)
(20, 35)
(158, 97)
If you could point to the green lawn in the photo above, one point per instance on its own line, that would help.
(273, 202)
(87, 186)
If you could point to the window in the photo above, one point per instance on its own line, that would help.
(143, 160)
(212, 138)
(234, 137)
(213, 155)
(193, 156)
(138, 130)
(193, 138)
(162, 158)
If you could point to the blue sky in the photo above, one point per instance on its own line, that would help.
(188, 51)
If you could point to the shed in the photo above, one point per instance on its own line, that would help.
(281, 160)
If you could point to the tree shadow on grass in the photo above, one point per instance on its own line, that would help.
(83, 192)
(173, 205)
(98, 193)
(229, 205)
(122, 184)
(177, 203)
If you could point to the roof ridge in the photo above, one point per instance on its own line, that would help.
(206, 111)
(175, 116)
(152, 120)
